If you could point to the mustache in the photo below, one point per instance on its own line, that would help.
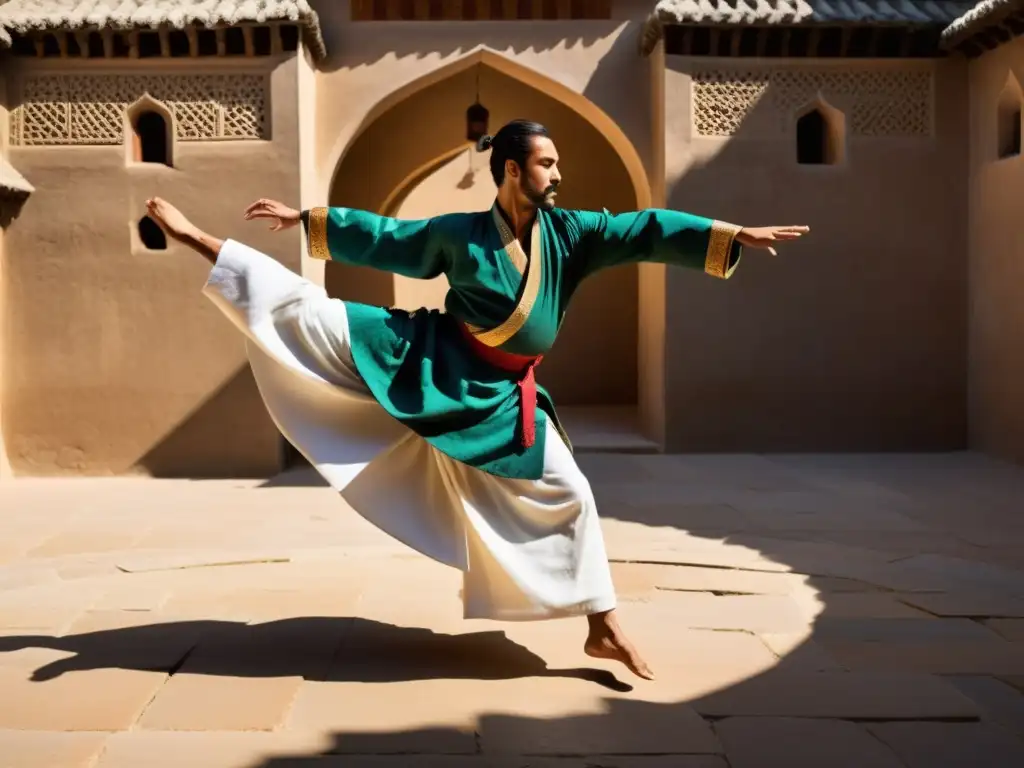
(551, 188)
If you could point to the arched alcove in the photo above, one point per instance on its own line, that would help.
(1008, 122)
(388, 170)
(820, 134)
(149, 132)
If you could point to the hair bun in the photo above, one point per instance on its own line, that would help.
(484, 143)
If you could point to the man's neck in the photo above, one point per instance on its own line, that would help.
(519, 218)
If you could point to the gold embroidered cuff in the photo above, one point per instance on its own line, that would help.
(720, 242)
(316, 234)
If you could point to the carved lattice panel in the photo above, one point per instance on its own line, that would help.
(89, 109)
(878, 103)
(724, 100)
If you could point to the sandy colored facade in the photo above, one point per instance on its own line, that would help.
(996, 264)
(891, 328)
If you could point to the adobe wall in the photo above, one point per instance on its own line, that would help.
(855, 338)
(5, 465)
(113, 360)
(996, 303)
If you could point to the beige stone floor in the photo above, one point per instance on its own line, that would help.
(800, 611)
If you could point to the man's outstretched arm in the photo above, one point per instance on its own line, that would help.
(670, 237)
(412, 248)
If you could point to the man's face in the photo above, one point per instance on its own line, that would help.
(539, 180)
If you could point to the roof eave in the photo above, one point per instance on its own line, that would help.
(985, 15)
(12, 183)
(312, 35)
(653, 28)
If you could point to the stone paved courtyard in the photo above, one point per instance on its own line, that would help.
(800, 612)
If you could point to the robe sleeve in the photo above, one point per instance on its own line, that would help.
(412, 248)
(657, 235)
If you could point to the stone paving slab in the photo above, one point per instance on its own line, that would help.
(800, 651)
(89, 700)
(50, 749)
(972, 658)
(778, 598)
(775, 742)
(1011, 629)
(429, 716)
(205, 703)
(716, 580)
(665, 730)
(840, 695)
(999, 703)
(951, 745)
(967, 604)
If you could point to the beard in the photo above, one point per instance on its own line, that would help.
(543, 199)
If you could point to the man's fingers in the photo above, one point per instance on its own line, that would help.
(261, 203)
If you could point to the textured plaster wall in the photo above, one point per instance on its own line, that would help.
(996, 306)
(852, 339)
(113, 360)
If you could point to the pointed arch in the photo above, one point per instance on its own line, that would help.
(574, 100)
(149, 132)
(1008, 118)
(820, 134)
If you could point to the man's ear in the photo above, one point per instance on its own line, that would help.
(512, 169)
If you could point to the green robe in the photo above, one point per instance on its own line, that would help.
(419, 366)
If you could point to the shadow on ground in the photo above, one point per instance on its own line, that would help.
(336, 649)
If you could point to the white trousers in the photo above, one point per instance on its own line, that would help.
(528, 549)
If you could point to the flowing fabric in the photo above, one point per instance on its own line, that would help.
(529, 549)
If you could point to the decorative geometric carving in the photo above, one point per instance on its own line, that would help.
(723, 100)
(878, 102)
(89, 109)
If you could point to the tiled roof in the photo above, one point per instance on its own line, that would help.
(981, 16)
(12, 182)
(770, 12)
(35, 15)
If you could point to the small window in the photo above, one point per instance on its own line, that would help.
(151, 138)
(151, 236)
(1008, 109)
(819, 136)
(1009, 133)
(812, 139)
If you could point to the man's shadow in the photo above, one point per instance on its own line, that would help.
(337, 649)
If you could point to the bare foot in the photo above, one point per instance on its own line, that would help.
(171, 220)
(607, 641)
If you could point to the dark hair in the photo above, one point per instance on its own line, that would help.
(513, 142)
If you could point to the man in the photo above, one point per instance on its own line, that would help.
(430, 424)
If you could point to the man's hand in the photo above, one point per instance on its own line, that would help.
(282, 216)
(763, 237)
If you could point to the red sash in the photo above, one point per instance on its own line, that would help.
(523, 365)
